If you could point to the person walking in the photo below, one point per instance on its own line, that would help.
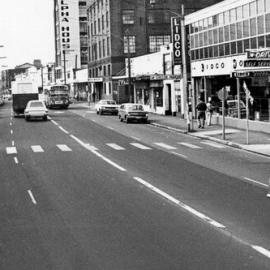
(209, 112)
(201, 108)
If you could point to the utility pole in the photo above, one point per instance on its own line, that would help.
(65, 75)
(129, 73)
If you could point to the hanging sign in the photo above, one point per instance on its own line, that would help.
(176, 40)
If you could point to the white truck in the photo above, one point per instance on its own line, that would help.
(23, 91)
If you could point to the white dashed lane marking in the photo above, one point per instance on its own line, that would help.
(37, 149)
(166, 146)
(141, 146)
(64, 147)
(11, 150)
(213, 144)
(115, 146)
(192, 146)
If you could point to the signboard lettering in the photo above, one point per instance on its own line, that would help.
(257, 63)
(65, 30)
(176, 40)
(262, 54)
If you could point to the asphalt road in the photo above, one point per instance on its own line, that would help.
(87, 192)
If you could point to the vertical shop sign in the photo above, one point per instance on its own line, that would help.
(176, 40)
(65, 29)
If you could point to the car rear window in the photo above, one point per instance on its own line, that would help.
(136, 107)
(36, 104)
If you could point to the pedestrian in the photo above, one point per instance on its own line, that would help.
(201, 108)
(209, 112)
(94, 97)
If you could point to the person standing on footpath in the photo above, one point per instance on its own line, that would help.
(209, 112)
(201, 108)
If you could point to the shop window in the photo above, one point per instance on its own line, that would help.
(221, 50)
(260, 23)
(233, 48)
(158, 97)
(267, 22)
(215, 36)
(227, 50)
(220, 34)
(239, 30)
(215, 51)
(246, 44)
(240, 47)
(261, 43)
(233, 31)
(253, 27)
(128, 17)
(246, 28)
(227, 33)
(253, 43)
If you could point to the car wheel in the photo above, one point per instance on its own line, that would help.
(97, 111)
(127, 120)
(27, 118)
(45, 118)
(100, 112)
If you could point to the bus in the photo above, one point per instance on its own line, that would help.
(57, 96)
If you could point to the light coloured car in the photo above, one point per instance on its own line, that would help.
(132, 112)
(233, 108)
(106, 106)
(35, 109)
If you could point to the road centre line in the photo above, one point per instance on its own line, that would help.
(11, 131)
(135, 138)
(111, 128)
(65, 131)
(255, 182)
(54, 122)
(16, 160)
(262, 250)
(32, 196)
(12, 143)
(178, 154)
(182, 205)
(92, 149)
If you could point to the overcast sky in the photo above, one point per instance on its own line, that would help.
(26, 31)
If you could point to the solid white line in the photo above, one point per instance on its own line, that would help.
(54, 122)
(94, 120)
(115, 146)
(32, 197)
(262, 250)
(141, 146)
(255, 182)
(11, 150)
(179, 203)
(64, 147)
(216, 145)
(111, 128)
(180, 155)
(189, 145)
(91, 149)
(166, 146)
(16, 160)
(65, 131)
(37, 149)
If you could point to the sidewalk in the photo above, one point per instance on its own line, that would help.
(259, 142)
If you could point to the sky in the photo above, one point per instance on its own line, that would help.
(26, 31)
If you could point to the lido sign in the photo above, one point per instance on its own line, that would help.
(176, 40)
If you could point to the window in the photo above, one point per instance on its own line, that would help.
(128, 16)
(215, 33)
(246, 11)
(253, 43)
(240, 46)
(253, 28)
(227, 32)
(156, 41)
(239, 13)
(267, 22)
(103, 47)
(267, 5)
(108, 46)
(129, 44)
(261, 43)
(109, 70)
(107, 19)
(260, 6)
(233, 48)
(221, 37)
(246, 28)
(239, 30)
(233, 31)
(252, 9)
(260, 23)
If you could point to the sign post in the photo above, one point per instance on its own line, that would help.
(248, 97)
(223, 95)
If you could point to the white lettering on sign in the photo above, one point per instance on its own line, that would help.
(176, 36)
(65, 30)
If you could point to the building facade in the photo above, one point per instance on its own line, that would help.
(120, 29)
(71, 38)
(230, 48)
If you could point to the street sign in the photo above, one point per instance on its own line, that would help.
(222, 95)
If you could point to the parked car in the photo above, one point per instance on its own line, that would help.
(132, 112)
(232, 108)
(106, 106)
(35, 109)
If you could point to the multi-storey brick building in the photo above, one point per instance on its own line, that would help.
(122, 28)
